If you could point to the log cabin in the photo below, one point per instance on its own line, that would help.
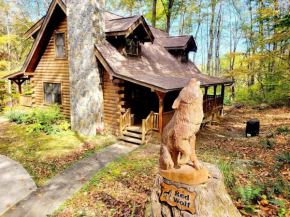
(110, 72)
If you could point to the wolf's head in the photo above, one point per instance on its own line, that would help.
(189, 93)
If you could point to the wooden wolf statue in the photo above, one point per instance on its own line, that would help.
(178, 137)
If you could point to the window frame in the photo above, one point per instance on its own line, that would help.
(137, 47)
(184, 56)
(61, 92)
(65, 38)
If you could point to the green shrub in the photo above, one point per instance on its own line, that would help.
(51, 121)
(249, 193)
(276, 186)
(283, 130)
(282, 159)
(270, 144)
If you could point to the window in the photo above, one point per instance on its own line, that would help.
(132, 46)
(184, 56)
(60, 51)
(52, 93)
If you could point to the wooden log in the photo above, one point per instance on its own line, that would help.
(114, 95)
(117, 99)
(114, 88)
(211, 198)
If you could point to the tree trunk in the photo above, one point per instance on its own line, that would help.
(182, 15)
(168, 11)
(211, 37)
(198, 27)
(211, 199)
(154, 13)
(217, 43)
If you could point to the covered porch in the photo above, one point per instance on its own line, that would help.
(147, 111)
(19, 79)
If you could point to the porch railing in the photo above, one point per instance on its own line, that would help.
(25, 100)
(150, 123)
(125, 121)
(147, 125)
(155, 121)
(211, 104)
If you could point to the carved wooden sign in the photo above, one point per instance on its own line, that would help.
(179, 197)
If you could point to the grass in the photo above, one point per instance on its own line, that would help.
(121, 189)
(43, 156)
(124, 187)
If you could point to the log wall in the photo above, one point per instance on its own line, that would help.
(113, 103)
(52, 70)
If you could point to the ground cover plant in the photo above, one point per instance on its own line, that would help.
(256, 174)
(42, 155)
(50, 121)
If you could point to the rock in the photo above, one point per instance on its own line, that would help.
(211, 199)
(261, 106)
(245, 165)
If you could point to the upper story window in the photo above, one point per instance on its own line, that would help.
(132, 46)
(184, 56)
(52, 93)
(60, 51)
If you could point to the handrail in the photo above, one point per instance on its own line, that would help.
(155, 121)
(125, 121)
(147, 125)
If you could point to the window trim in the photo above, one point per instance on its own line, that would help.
(54, 47)
(138, 47)
(61, 92)
(185, 55)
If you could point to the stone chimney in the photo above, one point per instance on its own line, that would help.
(86, 27)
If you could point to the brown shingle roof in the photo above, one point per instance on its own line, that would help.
(111, 16)
(156, 67)
(179, 42)
(120, 24)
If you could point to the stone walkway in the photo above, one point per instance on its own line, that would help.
(44, 201)
(15, 183)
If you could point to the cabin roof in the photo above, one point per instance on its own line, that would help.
(156, 68)
(14, 75)
(120, 24)
(32, 32)
(126, 25)
(180, 42)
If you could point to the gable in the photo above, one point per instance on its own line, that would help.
(127, 26)
(55, 13)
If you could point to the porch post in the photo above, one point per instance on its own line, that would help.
(19, 82)
(19, 89)
(214, 96)
(222, 100)
(161, 96)
(223, 94)
(205, 99)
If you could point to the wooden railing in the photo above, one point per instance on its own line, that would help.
(25, 100)
(211, 104)
(147, 125)
(150, 123)
(155, 121)
(125, 121)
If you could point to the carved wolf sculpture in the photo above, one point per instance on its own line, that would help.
(178, 137)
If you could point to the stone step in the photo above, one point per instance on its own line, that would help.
(134, 129)
(134, 135)
(131, 140)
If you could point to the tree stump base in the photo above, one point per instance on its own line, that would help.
(208, 199)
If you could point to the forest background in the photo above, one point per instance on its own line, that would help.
(246, 41)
